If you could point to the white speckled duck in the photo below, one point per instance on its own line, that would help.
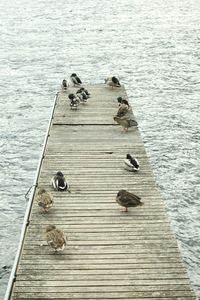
(74, 101)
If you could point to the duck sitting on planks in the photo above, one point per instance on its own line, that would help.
(127, 199)
(131, 163)
(55, 238)
(44, 200)
(75, 79)
(59, 182)
(112, 81)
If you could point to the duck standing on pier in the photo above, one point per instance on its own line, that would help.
(124, 116)
(125, 123)
(59, 182)
(75, 79)
(131, 163)
(74, 101)
(64, 85)
(55, 238)
(112, 81)
(83, 95)
(127, 199)
(44, 200)
(119, 100)
(123, 110)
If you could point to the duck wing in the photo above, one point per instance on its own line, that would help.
(78, 80)
(131, 198)
(132, 123)
(122, 111)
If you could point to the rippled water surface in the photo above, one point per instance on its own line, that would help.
(153, 46)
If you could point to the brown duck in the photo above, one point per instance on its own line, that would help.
(127, 199)
(44, 200)
(55, 238)
(125, 123)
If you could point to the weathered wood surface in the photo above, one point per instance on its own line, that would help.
(110, 254)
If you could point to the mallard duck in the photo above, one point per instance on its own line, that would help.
(123, 110)
(112, 81)
(86, 92)
(55, 238)
(59, 182)
(131, 163)
(74, 101)
(119, 100)
(126, 199)
(75, 79)
(44, 200)
(82, 95)
(125, 123)
(64, 85)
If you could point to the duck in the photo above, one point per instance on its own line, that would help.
(74, 101)
(119, 100)
(127, 199)
(86, 92)
(64, 85)
(131, 163)
(59, 182)
(82, 95)
(125, 123)
(55, 238)
(112, 81)
(44, 200)
(123, 110)
(75, 79)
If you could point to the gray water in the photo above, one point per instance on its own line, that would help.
(153, 47)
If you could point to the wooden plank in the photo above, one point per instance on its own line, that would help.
(98, 283)
(110, 254)
(101, 277)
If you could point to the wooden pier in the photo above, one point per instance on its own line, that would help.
(110, 254)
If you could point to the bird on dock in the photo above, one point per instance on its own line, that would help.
(131, 163)
(86, 92)
(74, 101)
(125, 123)
(55, 238)
(119, 100)
(75, 79)
(82, 94)
(124, 116)
(64, 85)
(59, 182)
(112, 81)
(44, 200)
(123, 110)
(127, 199)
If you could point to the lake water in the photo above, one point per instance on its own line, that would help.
(154, 49)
